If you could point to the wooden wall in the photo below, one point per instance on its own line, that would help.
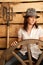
(19, 9)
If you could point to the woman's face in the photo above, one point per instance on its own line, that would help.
(31, 20)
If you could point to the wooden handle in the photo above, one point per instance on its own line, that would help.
(7, 36)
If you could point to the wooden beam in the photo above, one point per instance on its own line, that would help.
(22, 7)
(19, 0)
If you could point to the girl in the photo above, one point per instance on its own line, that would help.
(30, 30)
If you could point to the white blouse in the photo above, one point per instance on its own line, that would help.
(36, 33)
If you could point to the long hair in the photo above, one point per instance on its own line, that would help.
(26, 24)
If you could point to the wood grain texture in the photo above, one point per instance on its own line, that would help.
(22, 7)
(14, 30)
(3, 43)
(18, 0)
(2, 30)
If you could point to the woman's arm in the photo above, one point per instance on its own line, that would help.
(19, 39)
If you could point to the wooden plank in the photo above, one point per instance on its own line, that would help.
(17, 18)
(27, 0)
(2, 42)
(1, 20)
(22, 7)
(2, 30)
(13, 30)
(19, 0)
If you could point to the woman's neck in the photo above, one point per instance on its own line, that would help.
(30, 27)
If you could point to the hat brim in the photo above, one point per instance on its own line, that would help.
(31, 16)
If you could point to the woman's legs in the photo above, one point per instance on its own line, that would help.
(14, 61)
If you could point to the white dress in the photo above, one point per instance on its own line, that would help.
(36, 33)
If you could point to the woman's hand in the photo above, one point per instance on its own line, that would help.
(14, 43)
